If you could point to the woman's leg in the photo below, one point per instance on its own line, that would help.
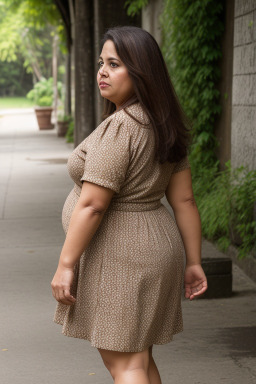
(127, 367)
(153, 373)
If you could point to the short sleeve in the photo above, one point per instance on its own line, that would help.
(107, 157)
(181, 165)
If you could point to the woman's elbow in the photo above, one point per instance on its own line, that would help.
(184, 203)
(191, 201)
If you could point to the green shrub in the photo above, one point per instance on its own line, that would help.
(225, 201)
(70, 132)
(64, 118)
(42, 93)
(243, 203)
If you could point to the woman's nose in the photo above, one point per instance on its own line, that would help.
(102, 71)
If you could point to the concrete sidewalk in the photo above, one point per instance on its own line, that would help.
(218, 344)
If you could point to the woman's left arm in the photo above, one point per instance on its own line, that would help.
(85, 220)
(179, 194)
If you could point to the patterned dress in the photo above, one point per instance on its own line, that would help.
(128, 281)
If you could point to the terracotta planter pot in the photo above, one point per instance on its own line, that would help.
(62, 128)
(43, 115)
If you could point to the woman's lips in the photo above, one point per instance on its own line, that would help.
(103, 85)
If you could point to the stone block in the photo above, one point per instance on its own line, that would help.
(243, 29)
(219, 277)
(244, 61)
(244, 90)
(243, 136)
(217, 266)
(244, 6)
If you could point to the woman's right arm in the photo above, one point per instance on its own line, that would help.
(179, 194)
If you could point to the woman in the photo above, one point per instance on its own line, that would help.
(119, 279)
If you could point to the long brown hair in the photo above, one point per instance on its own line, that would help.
(143, 59)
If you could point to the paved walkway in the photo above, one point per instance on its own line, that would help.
(218, 344)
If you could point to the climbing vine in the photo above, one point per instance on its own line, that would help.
(192, 33)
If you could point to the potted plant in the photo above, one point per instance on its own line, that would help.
(42, 95)
(62, 124)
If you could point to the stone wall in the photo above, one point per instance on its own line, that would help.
(243, 131)
(223, 123)
(150, 18)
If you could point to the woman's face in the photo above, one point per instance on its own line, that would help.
(113, 78)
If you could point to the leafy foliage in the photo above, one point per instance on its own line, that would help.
(64, 118)
(13, 79)
(225, 201)
(243, 205)
(27, 29)
(134, 6)
(191, 47)
(70, 132)
(42, 93)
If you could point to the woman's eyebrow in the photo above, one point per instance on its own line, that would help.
(109, 58)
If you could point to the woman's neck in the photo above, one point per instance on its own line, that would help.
(133, 99)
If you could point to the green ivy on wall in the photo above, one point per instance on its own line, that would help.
(192, 33)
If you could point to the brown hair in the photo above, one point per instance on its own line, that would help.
(143, 59)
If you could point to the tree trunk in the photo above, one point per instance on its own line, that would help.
(72, 56)
(67, 106)
(55, 77)
(66, 9)
(84, 70)
(98, 29)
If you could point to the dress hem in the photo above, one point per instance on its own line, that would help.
(96, 345)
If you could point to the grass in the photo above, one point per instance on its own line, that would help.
(15, 102)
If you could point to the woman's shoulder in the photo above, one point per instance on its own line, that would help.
(129, 118)
(131, 122)
(134, 114)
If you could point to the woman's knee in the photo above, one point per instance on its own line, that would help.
(117, 362)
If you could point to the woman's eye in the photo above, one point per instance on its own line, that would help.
(113, 65)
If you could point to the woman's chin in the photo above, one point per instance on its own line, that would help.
(104, 93)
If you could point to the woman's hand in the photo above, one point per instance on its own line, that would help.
(61, 284)
(195, 281)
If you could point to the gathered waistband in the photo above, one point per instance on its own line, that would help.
(133, 207)
(127, 206)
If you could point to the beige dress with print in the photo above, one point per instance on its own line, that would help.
(128, 282)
